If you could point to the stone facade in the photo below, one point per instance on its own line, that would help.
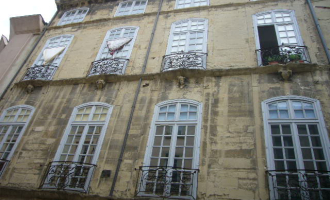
(232, 151)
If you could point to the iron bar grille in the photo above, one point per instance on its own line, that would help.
(167, 182)
(283, 54)
(108, 66)
(300, 184)
(68, 176)
(40, 72)
(3, 164)
(184, 60)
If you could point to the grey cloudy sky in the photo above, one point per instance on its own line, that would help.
(13, 8)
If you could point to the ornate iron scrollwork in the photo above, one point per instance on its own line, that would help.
(300, 184)
(166, 182)
(283, 54)
(108, 66)
(68, 176)
(40, 72)
(184, 60)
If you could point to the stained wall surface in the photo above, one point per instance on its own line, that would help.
(232, 151)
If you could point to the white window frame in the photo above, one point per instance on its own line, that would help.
(104, 45)
(191, 4)
(72, 122)
(82, 17)
(176, 122)
(131, 9)
(292, 121)
(188, 32)
(11, 124)
(53, 66)
(294, 23)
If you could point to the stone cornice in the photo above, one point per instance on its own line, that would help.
(191, 9)
(172, 75)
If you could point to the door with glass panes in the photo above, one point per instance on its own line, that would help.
(298, 155)
(77, 155)
(172, 158)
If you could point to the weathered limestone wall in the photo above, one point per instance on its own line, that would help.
(231, 39)
(232, 155)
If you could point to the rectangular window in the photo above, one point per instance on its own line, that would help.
(73, 16)
(191, 3)
(131, 7)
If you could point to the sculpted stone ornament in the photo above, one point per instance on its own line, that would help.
(29, 89)
(285, 73)
(100, 84)
(181, 81)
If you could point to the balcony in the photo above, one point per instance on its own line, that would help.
(61, 175)
(167, 182)
(3, 164)
(282, 55)
(184, 60)
(108, 66)
(299, 184)
(40, 72)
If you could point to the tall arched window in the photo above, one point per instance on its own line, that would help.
(115, 62)
(278, 37)
(73, 16)
(187, 45)
(13, 123)
(297, 148)
(77, 155)
(172, 157)
(49, 59)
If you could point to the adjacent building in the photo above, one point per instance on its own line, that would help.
(172, 99)
(24, 34)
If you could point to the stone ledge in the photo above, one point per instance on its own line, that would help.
(14, 193)
(172, 75)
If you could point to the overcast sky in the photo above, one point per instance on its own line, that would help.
(13, 8)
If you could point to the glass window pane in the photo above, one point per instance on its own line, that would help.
(313, 129)
(168, 130)
(279, 165)
(273, 114)
(182, 130)
(299, 114)
(310, 114)
(282, 105)
(304, 141)
(286, 129)
(291, 165)
(284, 114)
(165, 152)
(309, 165)
(191, 130)
(278, 154)
(318, 154)
(183, 116)
(307, 153)
(289, 154)
(275, 129)
(179, 152)
(159, 130)
(272, 106)
(321, 166)
(302, 129)
(189, 152)
(297, 105)
(167, 141)
(277, 141)
(157, 141)
(162, 116)
(287, 141)
(316, 142)
(190, 141)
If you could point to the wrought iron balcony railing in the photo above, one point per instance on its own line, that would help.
(300, 184)
(3, 164)
(108, 66)
(61, 175)
(40, 72)
(282, 55)
(167, 182)
(184, 60)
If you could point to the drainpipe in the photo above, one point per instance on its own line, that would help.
(28, 56)
(319, 30)
(120, 159)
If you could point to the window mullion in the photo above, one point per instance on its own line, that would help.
(296, 143)
(81, 142)
(173, 145)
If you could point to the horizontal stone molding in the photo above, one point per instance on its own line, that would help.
(173, 74)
